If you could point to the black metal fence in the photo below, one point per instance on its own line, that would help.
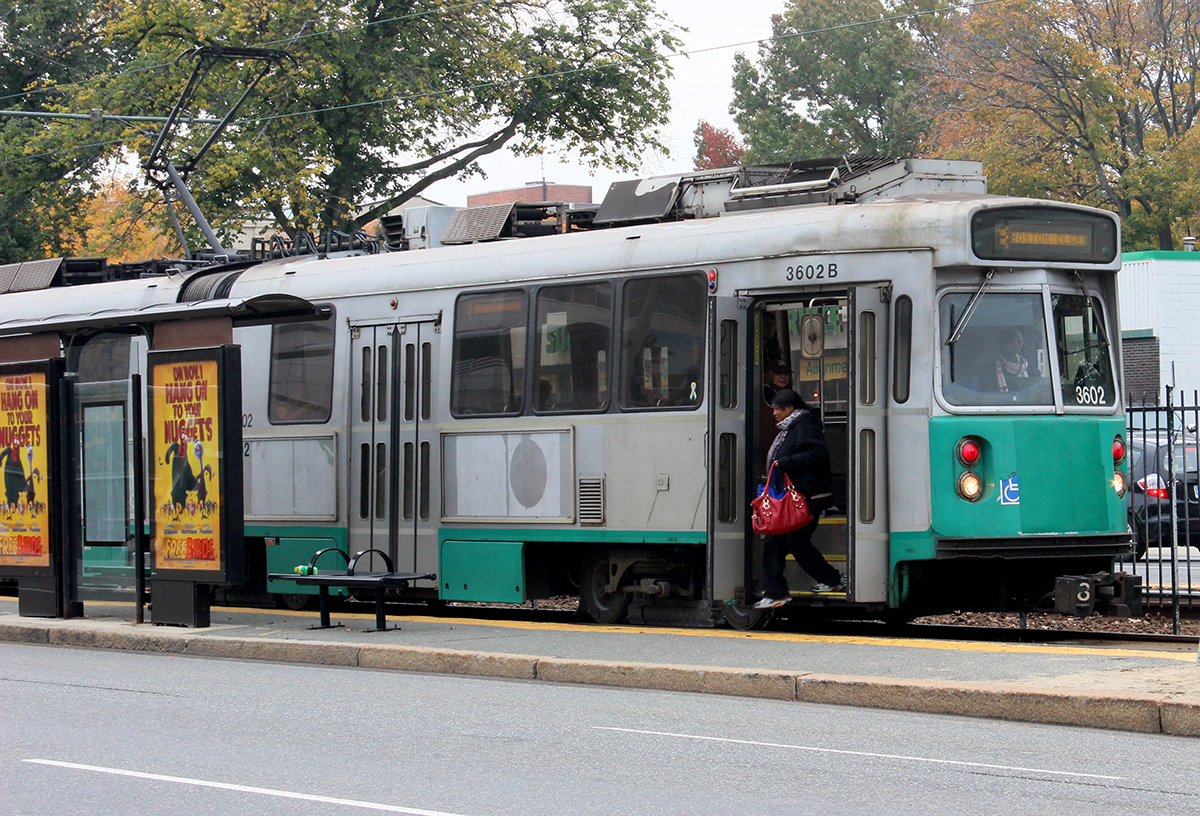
(1163, 499)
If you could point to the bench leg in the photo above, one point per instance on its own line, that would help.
(323, 603)
(380, 616)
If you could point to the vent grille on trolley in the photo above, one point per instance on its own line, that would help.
(591, 500)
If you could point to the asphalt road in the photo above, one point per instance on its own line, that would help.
(97, 732)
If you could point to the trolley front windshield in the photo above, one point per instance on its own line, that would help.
(997, 351)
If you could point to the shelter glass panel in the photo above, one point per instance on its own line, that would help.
(103, 358)
(105, 501)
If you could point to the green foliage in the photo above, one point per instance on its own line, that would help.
(380, 98)
(1098, 100)
(826, 84)
(42, 186)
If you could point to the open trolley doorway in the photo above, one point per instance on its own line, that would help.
(831, 347)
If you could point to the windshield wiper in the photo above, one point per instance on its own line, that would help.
(968, 312)
(1087, 301)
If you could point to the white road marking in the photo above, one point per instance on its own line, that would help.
(857, 753)
(204, 783)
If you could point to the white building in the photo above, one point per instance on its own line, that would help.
(1159, 295)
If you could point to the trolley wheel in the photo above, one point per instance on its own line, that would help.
(746, 618)
(296, 601)
(604, 607)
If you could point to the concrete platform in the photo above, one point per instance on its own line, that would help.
(1116, 686)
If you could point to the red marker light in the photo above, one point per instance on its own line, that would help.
(712, 280)
(968, 451)
(1118, 451)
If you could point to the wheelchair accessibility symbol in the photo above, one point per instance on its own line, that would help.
(1010, 493)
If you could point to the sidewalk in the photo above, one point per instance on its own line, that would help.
(1149, 689)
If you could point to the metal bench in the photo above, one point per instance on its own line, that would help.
(376, 581)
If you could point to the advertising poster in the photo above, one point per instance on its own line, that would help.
(186, 451)
(24, 458)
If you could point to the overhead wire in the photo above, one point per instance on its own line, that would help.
(761, 42)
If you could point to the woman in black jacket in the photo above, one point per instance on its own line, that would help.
(801, 451)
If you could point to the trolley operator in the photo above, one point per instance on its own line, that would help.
(801, 451)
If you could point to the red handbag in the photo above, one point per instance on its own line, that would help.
(779, 508)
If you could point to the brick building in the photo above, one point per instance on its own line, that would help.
(533, 192)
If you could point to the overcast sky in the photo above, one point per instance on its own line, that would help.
(700, 90)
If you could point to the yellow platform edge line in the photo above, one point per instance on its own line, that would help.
(780, 637)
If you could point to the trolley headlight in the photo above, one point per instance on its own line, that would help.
(1118, 483)
(970, 486)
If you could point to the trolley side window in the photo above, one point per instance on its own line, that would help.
(574, 333)
(662, 342)
(488, 374)
(301, 387)
(1083, 353)
(998, 356)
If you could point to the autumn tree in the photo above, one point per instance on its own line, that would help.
(379, 99)
(716, 147)
(837, 77)
(1080, 99)
(120, 222)
(43, 185)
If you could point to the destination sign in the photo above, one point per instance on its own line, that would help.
(1043, 234)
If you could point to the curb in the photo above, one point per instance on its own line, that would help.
(1143, 713)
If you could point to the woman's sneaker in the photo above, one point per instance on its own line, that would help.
(771, 603)
(840, 586)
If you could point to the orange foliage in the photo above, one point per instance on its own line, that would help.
(122, 226)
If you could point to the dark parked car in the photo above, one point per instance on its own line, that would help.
(1153, 465)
